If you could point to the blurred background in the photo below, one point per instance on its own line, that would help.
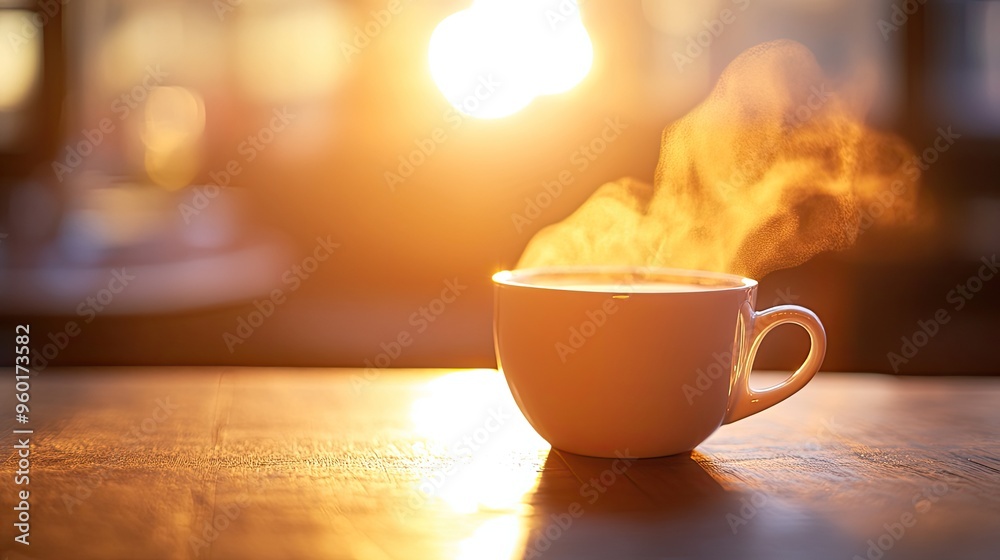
(301, 182)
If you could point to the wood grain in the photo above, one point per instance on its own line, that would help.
(139, 463)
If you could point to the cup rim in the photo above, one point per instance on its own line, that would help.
(517, 277)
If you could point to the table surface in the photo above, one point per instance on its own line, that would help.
(149, 463)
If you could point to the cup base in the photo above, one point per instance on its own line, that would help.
(625, 455)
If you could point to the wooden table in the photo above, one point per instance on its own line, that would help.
(219, 463)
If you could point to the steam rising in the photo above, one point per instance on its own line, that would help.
(771, 169)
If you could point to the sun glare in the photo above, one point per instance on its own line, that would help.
(470, 420)
(495, 539)
(492, 59)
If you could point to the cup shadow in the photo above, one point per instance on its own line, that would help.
(586, 507)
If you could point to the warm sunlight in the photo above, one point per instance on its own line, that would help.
(495, 539)
(472, 428)
(493, 59)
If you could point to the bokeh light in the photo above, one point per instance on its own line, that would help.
(20, 58)
(285, 52)
(172, 131)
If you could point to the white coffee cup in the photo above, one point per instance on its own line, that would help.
(604, 361)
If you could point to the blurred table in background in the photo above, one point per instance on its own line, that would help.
(298, 463)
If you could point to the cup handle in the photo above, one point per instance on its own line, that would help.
(744, 401)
